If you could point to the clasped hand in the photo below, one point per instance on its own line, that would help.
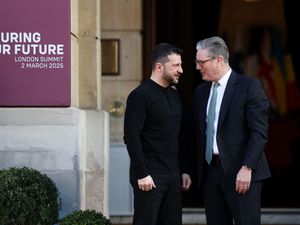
(146, 183)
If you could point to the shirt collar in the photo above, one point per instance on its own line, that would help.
(223, 81)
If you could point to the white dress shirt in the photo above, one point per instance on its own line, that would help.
(220, 90)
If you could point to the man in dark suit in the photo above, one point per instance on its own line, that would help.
(231, 118)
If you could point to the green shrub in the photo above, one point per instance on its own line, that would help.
(27, 197)
(86, 217)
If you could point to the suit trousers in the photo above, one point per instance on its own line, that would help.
(223, 204)
(161, 205)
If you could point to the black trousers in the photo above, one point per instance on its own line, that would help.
(223, 204)
(161, 205)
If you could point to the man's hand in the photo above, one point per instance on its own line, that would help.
(186, 181)
(146, 183)
(243, 180)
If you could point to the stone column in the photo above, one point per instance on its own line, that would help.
(93, 162)
(86, 95)
(89, 54)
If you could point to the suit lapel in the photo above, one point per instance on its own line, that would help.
(229, 91)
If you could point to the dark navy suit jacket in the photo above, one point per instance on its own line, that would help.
(242, 126)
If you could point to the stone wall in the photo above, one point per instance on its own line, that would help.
(67, 144)
(122, 20)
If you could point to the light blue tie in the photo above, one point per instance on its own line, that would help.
(210, 123)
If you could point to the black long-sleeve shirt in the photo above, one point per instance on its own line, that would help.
(151, 129)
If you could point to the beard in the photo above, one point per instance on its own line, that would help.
(170, 79)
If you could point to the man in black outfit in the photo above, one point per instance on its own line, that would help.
(231, 118)
(151, 132)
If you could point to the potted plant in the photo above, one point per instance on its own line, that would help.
(85, 217)
(27, 197)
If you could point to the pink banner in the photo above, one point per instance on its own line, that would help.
(35, 55)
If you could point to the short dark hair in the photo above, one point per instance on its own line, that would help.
(161, 52)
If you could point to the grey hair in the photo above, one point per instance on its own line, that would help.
(216, 46)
